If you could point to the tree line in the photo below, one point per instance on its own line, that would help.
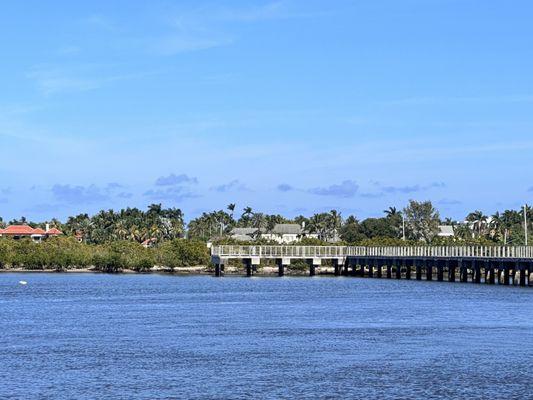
(417, 222)
(63, 253)
(110, 240)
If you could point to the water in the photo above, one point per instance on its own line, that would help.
(67, 336)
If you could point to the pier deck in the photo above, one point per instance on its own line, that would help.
(489, 264)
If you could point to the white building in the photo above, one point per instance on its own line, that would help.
(281, 233)
(446, 231)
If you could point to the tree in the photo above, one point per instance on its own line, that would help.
(395, 219)
(479, 222)
(422, 220)
(231, 208)
(350, 231)
(377, 228)
(246, 217)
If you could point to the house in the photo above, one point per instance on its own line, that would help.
(446, 231)
(281, 233)
(22, 231)
(244, 234)
(149, 243)
(285, 233)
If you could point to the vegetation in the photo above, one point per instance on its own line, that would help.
(63, 253)
(111, 240)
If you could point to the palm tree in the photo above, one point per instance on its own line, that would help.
(231, 209)
(391, 212)
(497, 226)
(478, 220)
(334, 224)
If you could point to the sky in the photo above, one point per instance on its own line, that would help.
(287, 106)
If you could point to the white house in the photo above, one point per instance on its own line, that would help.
(446, 231)
(281, 233)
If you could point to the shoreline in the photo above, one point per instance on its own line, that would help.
(197, 270)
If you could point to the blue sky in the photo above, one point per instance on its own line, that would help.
(287, 106)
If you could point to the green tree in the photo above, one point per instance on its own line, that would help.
(422, 220)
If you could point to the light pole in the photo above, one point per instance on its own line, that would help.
(525, 222)
(403, 227)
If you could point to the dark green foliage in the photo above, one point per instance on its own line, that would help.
(377, 228)
(67, 253)
(128, 224)
(183, 253)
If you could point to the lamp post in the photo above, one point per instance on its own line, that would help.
(525, 222)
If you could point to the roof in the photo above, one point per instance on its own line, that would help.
(242, 238)
(243, 231)
(54, 231)
(16, 230)
(287, 229)
(446, 230)
(38, 231)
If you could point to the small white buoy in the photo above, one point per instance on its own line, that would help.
(23, 282)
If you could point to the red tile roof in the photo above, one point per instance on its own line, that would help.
(54, 232)
(25, 230)
(16, 230)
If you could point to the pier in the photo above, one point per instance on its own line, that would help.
(504, 265)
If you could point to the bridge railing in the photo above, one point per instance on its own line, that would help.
(496, 252)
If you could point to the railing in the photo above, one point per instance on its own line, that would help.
(497, 252)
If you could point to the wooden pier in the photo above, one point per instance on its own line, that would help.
(503, 265)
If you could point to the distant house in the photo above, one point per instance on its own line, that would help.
(149, 243)
(26, 231)
(281, 233)
(446, 231)
(244, 234)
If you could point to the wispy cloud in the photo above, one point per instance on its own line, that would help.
(175, 193)
(69, 50)
(207, 27)
(412, 188)
(285, 187)
(407, 189)
(432, 100)
(345, 189)
(51, 79)
(101, 22)
(79, 194)
(233, 186)
(449, 202)
(269, 11)
(188, 42)
(173, 179)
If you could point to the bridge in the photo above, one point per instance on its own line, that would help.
(489, 264)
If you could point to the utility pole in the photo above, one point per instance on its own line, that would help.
(525, 222)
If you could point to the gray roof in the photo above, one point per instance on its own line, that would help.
(242, 238)
(287, 229)
(446, 230)
(243, 231)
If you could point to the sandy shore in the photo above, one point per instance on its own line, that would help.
(196, 270)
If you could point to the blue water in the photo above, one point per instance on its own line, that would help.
(67, 336)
